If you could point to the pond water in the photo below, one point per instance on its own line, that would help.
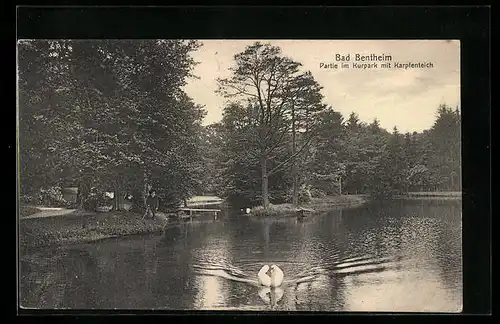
(399, 256)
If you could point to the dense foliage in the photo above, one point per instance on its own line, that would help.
(108, 116)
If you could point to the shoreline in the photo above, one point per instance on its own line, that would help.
(344, 201)
(431, 195)
(77, 227)
(84, 227)
(316, 205)
(428, 198)
(68, 227)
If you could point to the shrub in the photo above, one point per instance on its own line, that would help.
(304, 195)
(28, 200)
(54, 196)
(317, 193)
(51, 196)
(95, 199)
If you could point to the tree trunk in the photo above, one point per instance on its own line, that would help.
(137, 199)
(295, 192)
(79, 202)
(147, 188)
(117, 198)
(295, 183)
(265, 183)
(82, 194)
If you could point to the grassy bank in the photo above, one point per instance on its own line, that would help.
(315, 205)
(432, 195)
(79, 227)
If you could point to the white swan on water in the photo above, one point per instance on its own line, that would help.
(275, 277)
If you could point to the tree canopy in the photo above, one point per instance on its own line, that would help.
(112, 113)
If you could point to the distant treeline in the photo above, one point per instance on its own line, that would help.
(345, 156)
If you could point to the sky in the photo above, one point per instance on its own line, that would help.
(405, 98)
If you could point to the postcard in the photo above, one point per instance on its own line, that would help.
(252, 175)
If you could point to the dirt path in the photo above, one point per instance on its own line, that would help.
(49, 212)
(52, 212)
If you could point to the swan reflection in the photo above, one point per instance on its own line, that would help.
(271, 296)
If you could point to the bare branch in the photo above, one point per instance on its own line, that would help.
(290, 158)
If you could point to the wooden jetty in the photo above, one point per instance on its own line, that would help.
(203, 201)
(197, 204)
(189, 212)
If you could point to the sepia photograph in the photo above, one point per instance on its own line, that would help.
(240, 174)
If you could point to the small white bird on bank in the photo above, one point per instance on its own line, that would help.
(275, 277)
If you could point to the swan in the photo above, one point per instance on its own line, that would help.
(274, 279)
(277, 276)
(262, 276)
